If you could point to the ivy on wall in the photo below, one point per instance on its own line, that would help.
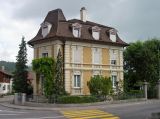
(46, 68)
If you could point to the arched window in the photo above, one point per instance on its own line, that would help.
(76, 29)
(112, 34)
(96, 32)
(46, 27)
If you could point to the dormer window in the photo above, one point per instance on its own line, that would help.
(46, 27)
(96, 32)
(112, 34)
(76, 29)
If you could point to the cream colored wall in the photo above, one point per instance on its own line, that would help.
(87, 57)
(86, 77)
(86, 67)
(105, 56)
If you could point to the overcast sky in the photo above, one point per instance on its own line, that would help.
(134, 19)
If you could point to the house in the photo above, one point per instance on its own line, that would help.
(88, 49)
(5, 82)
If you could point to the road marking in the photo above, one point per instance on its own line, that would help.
(40, 117)
(12, 111)
(88, 114)
(9, 114)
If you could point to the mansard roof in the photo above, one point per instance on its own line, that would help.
(62, 30)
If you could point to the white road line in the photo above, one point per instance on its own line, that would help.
(41, 117)
(12, 111)
(8, 114)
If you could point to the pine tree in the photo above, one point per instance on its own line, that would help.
(20, 84)
(59, 82)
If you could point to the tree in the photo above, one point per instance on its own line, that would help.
(59, 81)
(141, 61)
(20, 74)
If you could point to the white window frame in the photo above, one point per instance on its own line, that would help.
(113, 62)
(76, 83)
(112, 34)
(96, 32)
(4, 87)
(95, 35)
(113, 57)
(94, 55)
(45, 27)
(76, 54)
(114, 81)
(44, 54)
(76, 30)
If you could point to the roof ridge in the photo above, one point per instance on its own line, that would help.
(90, 22)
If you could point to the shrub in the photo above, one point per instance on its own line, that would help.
(100, 86)
(76, 99)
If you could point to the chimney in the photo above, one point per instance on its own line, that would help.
(3, 68)
(83, 14)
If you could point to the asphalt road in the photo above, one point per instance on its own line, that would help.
(124, 111)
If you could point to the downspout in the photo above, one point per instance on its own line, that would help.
(63, 46)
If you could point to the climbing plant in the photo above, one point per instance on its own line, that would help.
(46, 67)
(59, 81)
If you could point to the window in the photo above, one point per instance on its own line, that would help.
(76, 54)
(76, 32)
(76, 29)
(96, 56)
(113, 33)
(113, 62)
(95, 32)
(113, 57)
(44, 55)
(46, 27)
(77, 81)
(8, 87)
(95, 35)
(4, 87)
(114, 81)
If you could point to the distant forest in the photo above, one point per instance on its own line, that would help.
(9, 66)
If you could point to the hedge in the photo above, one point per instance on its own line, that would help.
(76, 99)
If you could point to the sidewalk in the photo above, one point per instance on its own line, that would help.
(54, 107)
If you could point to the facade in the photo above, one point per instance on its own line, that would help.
(88, 49)
(5, 82)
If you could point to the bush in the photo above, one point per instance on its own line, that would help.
(100, 86)
(76, 99)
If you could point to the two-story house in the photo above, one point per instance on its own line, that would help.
(88, 49)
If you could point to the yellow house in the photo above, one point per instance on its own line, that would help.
(88, 49)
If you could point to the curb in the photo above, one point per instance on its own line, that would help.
(76, 106)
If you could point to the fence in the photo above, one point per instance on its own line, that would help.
(125, 96)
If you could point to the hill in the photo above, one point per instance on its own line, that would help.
(9, 66)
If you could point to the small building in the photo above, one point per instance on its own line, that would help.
(88, 49)
(5, 82)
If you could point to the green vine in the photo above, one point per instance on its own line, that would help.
(46, 67)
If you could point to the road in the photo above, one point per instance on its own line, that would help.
(123, 111)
